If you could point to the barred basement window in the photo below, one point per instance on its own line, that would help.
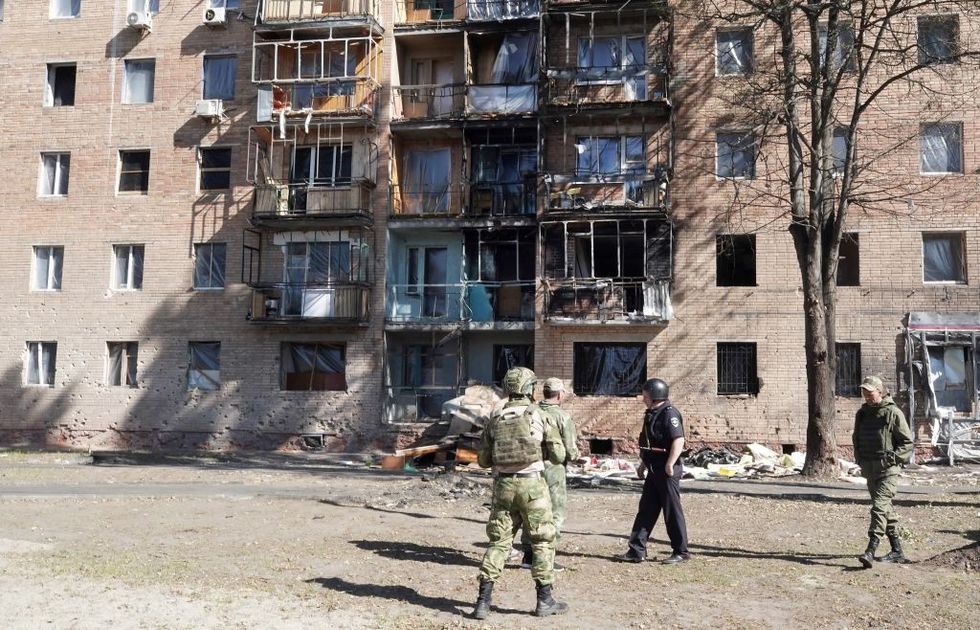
(848, 370)
(737, 369)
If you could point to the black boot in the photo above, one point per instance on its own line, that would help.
(528, 558)
(895, 555)
(482, 610)
(547, 604)
(868, 557)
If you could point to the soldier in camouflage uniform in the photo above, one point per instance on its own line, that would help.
(882, 441)
(561, 422)
(513, 442)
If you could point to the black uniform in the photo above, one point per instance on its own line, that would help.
(660, 492)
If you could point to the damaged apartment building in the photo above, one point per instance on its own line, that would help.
(310, 223)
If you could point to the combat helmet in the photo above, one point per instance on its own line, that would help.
(519, 381)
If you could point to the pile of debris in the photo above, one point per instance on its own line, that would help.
(755, 461)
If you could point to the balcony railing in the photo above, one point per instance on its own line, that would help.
(353, 96)
(428, 102)
(605, 85)
(479, 302)
(428, 11)
(502, 98)
(275, 11)
(299, 302)
(421, 403)
(607, 300)
(433, 200)
(492, 10)
(311, 201)
(584, 191)
(502, 199)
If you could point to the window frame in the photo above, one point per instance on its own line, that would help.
(119, 178)
(749, 240)
(128, 364)
(51, 268)
(955, 126)
(752, 146)
(625, 166)
(126, 96)
(204, 75)
(51, 80)
(72, 16)
(201, 169)
(960, 236)
(752, 388)
(751, 47)
(317, 345)
(854, 237)
(581, 75)
(210, 247)
(130, 267)
(853, 389)
(578, 388)
(62, 174)
(190, 368)
(39, 362)
(937, 19)
(823, 31)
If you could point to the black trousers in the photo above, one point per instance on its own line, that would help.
(660, 493)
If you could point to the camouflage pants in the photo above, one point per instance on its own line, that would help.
(526, 501)
(555, 476)
(882, 484)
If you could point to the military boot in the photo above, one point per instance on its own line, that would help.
(895, 555)
(528, 559)
(482, 610)
(868, 557)
(546, 603)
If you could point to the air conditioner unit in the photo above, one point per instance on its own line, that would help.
(210, 108)
(215, 16)
(141, 20)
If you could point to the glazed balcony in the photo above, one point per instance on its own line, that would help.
(428, 13)
(607, 300)
(431, 201)
(488, 100)
(276, 12)
(309, 303)
(285, 205)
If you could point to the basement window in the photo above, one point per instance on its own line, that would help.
(609, 369)
(735, 260)
(737, 373)
(848, 381)
(849, 261)
(313, 367)
(60, 89)
(121, 363)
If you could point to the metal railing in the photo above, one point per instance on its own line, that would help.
(499, 301)
(430, 201)
(284, 301)
(273, 11)
(467, 301)
(420, 102)
(584, 191)
(311, 200)
(502, 98)
(502, 199)
(422, 403)
(607, 300)
(605, 84)
(348, 96)
(423, 11)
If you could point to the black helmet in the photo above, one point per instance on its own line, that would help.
(657, 389)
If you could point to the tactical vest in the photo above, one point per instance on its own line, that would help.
(513, 444)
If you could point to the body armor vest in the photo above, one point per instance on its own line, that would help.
(513, 444)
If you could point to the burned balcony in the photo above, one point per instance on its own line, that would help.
(307, 276)
(428, 13)
(425, 303)
(418, 403)
(284, 205)
(603, 300)
(414, 103)
(505, 74)
(606, 86)
(629, 191)
(498, 10)
(277, 12)
(426, 201)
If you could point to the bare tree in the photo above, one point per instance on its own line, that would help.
(822, 148)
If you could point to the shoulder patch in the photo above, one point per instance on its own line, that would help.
(675, 422)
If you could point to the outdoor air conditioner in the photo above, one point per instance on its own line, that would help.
(210, 108)
(215, 16)
(141, 20)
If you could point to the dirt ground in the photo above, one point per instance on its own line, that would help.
(286, 543)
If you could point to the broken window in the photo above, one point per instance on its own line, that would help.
(226, 4)
(215, 167)
(323, 165)
(938, 38)
(737, 369)
(849, 261)
(950, 369)
(427, 273)
(209, 265)
(204, 367)
(941, 147)
(507, 356)
(53, 179)
(848, 382)
(64, 9)
(942, 257)
(138, 80)
(609, 369)
(60, 88)
(127, 268)
(39, 361)
(313, 367)
(47, 265)
(512, 77)
(219, 76)
(429, 366)
(735, 155)
(121, 363)
(500, 9)
(503, 179)
(843, 49)
(134, 171)
(735, 260)
(308, 269)
(426, 182)
(733, 51)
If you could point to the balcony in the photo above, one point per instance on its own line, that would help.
(475, 304)
(425, 303)
(272, 12)
(497, 199)
(434, 200)
(607, 301)
(496, 99)
(412, 103)
(352, 97)
(606, 86)
(495, 10)
(426, 13)
(283, 303)
(283, 206)
(421, 403)
(618, 192)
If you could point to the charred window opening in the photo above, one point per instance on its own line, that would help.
(600, 446)
(507, 356)
(849, 261)
(848, 370)
(735, 260)
(609, 369)
(737, 373)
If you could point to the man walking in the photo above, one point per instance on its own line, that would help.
(561, 422)
(882, 441)
(513, 442)
(661, 442)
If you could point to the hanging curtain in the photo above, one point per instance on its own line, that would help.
(137, 267)
(941, 149)
(501, 9)
(517, 59)
(610, 369)
(219, 76)
(942, 258)
(204, 371)
(139, 81)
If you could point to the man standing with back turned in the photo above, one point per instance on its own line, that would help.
(661, 443)
(513, 442)
(882, 441)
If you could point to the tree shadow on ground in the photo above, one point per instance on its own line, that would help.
(404, 594)
(397, 550)
(422, 515)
